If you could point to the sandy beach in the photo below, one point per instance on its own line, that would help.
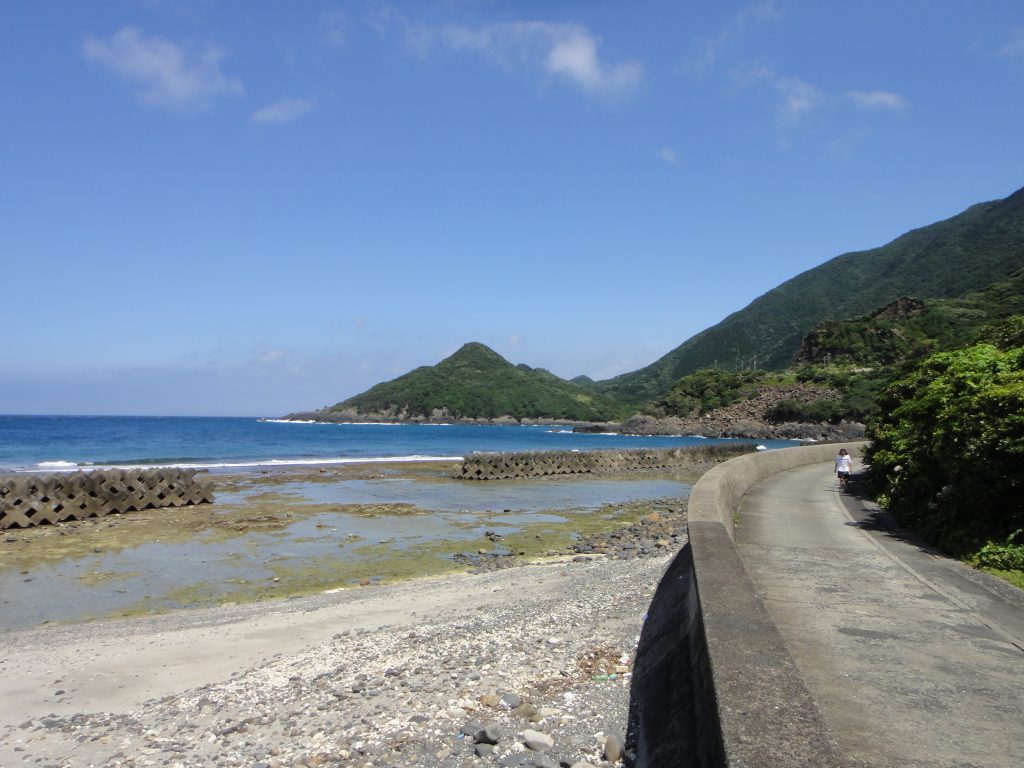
(412, 674)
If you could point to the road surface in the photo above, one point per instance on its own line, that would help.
(912, 659)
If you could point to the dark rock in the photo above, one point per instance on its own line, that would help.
(595, 428)
(489, 734)
(510, 700)
(483, 749)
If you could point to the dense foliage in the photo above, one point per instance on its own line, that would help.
(707, 389)
(913, 328)
(860, 390)
(812, 412)
(950, 258)
(862, 356)
(948, 447)
(476, 382)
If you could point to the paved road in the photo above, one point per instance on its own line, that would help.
(913, 660)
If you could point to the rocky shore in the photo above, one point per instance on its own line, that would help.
(750, 428)
(661, 531)
(745, 419)
(355, 417)
(523, 666)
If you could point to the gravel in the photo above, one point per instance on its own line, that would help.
(526, 666)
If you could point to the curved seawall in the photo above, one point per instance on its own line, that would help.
(713, 683)
(508, 466)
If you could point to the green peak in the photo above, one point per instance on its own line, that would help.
(477, 383)
(475, 349)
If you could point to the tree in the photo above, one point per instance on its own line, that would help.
(948, 449)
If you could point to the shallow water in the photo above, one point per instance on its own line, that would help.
(454, 496)
(309, 548)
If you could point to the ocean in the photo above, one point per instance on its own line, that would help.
(66, 443)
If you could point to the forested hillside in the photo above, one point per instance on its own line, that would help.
(843, 366)
(478, 383)
(847, 324)
(982, 245)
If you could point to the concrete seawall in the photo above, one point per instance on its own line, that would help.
(28, 500)
(714, 684)
(514, 466)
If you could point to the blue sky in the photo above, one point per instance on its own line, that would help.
(252, 208)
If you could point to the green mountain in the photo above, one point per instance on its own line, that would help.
(965, 253)
(857, 359)
(910, 328)
(476, 382)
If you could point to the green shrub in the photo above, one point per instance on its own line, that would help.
(948, 448)
(1001, 557)
(709, 388)
(797, 410)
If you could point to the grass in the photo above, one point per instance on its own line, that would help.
(1014, 577)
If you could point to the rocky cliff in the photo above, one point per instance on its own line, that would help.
(747, 418)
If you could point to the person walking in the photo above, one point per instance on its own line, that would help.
(844, 465)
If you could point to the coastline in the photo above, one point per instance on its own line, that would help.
(727, 425)
(292, 531)
(374, 674)
(355, 677)
(30, 445)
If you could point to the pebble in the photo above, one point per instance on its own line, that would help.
(613, 747)
(537, 741)
(444, 689)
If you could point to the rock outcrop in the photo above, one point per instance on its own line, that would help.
(747, 418)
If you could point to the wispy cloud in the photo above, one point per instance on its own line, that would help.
(284, 111)
(1014, 48)
(707, 51)
(270, 355)
(168, 75)
(877, 100)
(566, 51)
(667, 155)
(798, 97)
(335, 26)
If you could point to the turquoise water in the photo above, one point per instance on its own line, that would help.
(48, 443)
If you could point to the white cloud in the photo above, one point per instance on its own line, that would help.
(567, 51)
(168, 75)
(799, 97)
(1015, 47)
(284, 111)
(575, 57)
(668, 155)
(878, 100)
(707, 51)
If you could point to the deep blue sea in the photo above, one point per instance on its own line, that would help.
(53, 443)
